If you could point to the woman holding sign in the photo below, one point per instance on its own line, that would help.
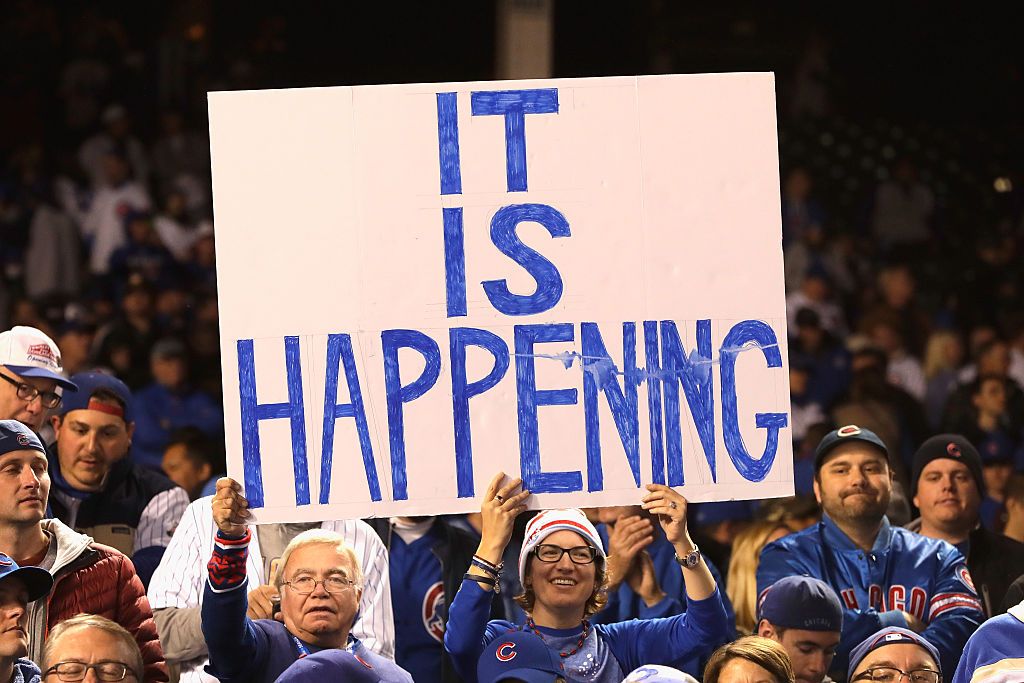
(563, 571)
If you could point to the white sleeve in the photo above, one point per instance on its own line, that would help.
(376, 625)
(178, 581)
(160, 518)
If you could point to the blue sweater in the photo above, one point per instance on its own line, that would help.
(998, 645)
(629, 644)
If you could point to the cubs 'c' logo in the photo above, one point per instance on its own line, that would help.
(965, 577)
(433, 605)
(5, 561)
(848, 430)
(506, 652)
(23, 440)
(953, 449)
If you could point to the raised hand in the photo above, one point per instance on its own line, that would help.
(498, 511)
(644, 581)
(626, 538)
(230, 508)
(670, 509)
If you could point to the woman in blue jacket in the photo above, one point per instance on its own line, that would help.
(562, 569)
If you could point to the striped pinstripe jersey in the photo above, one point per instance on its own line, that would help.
(181, 576)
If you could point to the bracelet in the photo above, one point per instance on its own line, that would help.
(485, 580)
(486, 566)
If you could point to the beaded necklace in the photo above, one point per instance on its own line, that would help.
(579, 643)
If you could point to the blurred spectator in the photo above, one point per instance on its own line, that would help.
(942, 358)
(116, 138)
(815, 293)
(903, 209)
(898, 290)
(801, 213)
(796, 513)
(174, 227)
(804, 411)
(948, 489)
(751, 658)
(962, 412)
(825, 359)
(124, 345)
(88, 642)
(142, 253)
(902, 370)
(103, 224)
(1014, 498)
(741, 582)
(52, 263)
(170, 403)
(885, 409)
(75, 339)
(427, 558)
(19, 586)
(996, 468)
(88, 577)
(178, 154)
(804, 616)
(193, 461)
(716, 526)
(97, 488)
(803, 460)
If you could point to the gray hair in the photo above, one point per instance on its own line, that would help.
(320, 537)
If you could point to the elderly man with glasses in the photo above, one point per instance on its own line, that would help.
(87, 643)
(30, 375)
(320, 583)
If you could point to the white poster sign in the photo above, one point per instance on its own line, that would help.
(576, 281)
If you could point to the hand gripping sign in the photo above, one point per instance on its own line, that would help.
(576, 281)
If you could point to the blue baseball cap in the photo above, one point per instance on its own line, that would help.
(519, 655)
(14, 436)
(330, 665)
(843, 435)
(892, 635)
(91, 382)
(801, 602)
(37, 580)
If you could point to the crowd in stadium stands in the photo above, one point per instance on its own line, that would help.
(126, 554)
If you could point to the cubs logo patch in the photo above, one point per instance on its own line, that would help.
(506, 652)
(5, 561)
(433, 610)
(24, 440)
(965, 577)
(848, 430)
(953, 449)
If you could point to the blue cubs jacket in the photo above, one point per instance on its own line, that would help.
(903, 572)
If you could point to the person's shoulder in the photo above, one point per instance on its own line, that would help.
(906, 539)
(800, 541)
(150, 481)
(998, 544)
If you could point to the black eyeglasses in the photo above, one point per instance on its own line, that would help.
(890, 674)
(76, 671)
(581, 554)
(27, 392)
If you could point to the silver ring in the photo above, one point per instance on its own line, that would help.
(499, 499)
(673, 505)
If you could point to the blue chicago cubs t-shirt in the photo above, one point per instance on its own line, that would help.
(417, 596)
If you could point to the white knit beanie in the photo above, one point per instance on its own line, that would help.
(550, 521)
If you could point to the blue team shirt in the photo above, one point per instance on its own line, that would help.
(417, 594)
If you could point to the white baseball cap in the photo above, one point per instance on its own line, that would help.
(30, 353)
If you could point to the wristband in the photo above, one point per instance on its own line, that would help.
(486, 566)
(486, 580)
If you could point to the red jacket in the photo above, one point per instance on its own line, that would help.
(91, 578)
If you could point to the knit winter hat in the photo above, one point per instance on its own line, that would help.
(550, 521)
(951, 446)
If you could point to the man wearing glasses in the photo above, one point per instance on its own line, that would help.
(91, 643)
(894, 655)
(30, 374)
(320, 583)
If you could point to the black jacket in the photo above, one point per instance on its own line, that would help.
(454, 550)
(995, 562)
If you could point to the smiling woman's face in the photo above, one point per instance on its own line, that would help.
(562, 584)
